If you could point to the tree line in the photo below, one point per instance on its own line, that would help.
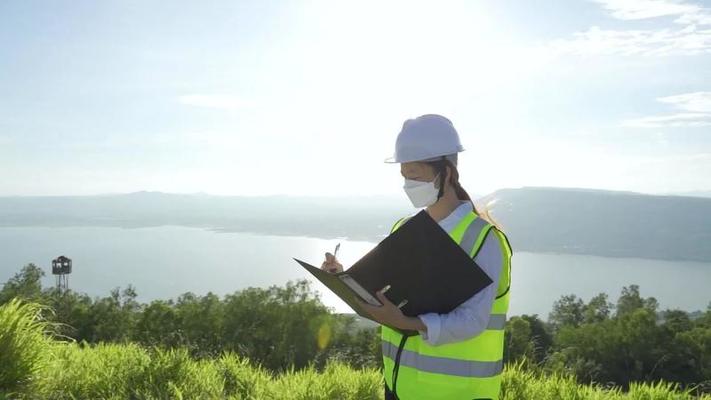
(276, 327)
(287, 327)
(630, 340)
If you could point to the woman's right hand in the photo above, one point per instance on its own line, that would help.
(331, 264)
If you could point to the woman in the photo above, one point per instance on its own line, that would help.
(457, 355)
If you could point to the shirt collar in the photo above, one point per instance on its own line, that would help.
(450, 221)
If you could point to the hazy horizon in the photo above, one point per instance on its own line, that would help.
(298, 98)
(393, 195)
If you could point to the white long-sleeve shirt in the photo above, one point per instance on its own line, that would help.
(472, 316)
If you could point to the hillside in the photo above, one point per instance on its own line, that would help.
(605, 223)
(536, 219)
(358, 218)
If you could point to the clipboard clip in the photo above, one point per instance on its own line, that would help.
(386, 288)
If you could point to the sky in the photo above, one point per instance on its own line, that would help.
(307, 97)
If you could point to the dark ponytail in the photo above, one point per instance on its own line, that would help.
(440, 167)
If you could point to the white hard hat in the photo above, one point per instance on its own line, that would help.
(426, 138)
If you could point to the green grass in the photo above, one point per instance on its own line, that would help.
(519, 383)
(123, 371)
(23, 345)
(35, 366)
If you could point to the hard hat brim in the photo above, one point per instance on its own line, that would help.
(392, 160)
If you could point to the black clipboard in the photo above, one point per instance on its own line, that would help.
(420, 262)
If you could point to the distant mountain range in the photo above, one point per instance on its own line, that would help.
(606, 223)
(536, 219)
(357, 217)
(694, 193)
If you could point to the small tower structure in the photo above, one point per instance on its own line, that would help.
(61, 268)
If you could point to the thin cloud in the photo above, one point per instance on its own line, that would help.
(688, 34)
(686, 13)
(700, 18)
(670, 121)
(644, 9)
(665, 42)
(696, 109)
(695, 102)
(222, 102)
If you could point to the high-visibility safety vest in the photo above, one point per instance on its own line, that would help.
(469, 369)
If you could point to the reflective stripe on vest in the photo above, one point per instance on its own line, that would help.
(469, 368)
(474, 236)
(496, 321)
(443, 365)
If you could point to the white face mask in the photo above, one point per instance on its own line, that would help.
(421, 194)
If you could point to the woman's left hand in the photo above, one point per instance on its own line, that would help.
(388, 313)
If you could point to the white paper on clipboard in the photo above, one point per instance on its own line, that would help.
(359, 290)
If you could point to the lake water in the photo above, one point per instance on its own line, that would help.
(163, 262)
